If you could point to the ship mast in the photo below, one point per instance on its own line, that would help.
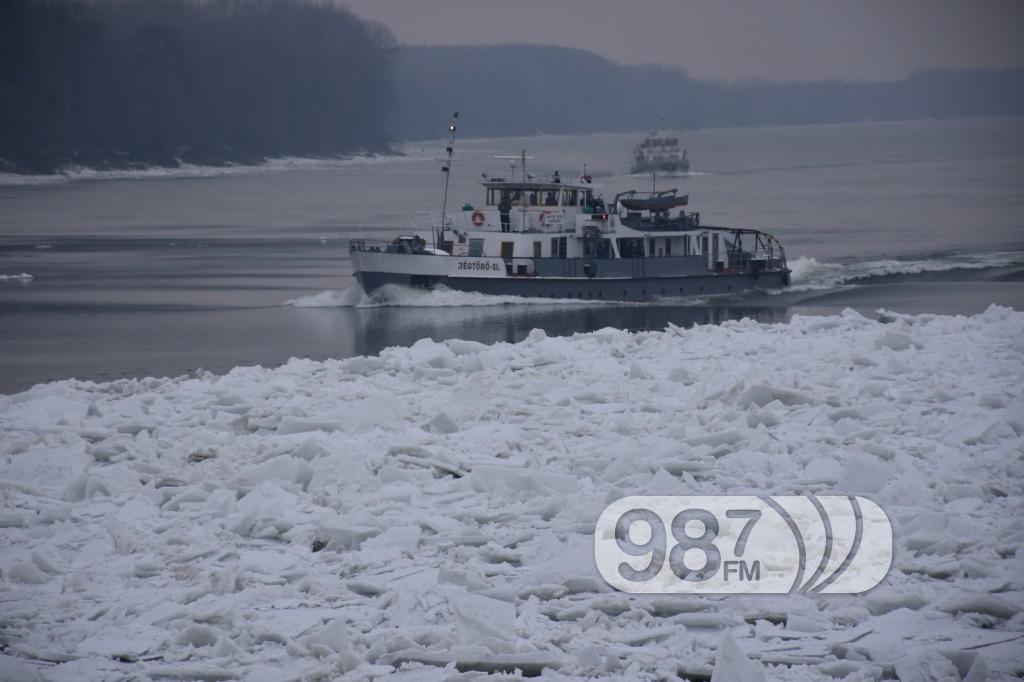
(522, 162)
(447, 170)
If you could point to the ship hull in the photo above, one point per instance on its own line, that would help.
(664, 167)
(596, 288)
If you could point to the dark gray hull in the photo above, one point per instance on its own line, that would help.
(661, 167)
(607, 289)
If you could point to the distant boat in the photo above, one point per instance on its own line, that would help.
(660, 153)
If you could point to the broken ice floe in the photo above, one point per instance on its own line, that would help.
(429, 510)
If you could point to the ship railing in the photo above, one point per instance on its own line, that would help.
(370, 244)
(765, 248)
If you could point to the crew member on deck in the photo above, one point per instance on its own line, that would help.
(504, 206)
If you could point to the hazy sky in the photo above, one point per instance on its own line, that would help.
(732, 39)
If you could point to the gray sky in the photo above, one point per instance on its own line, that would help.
(732, 39)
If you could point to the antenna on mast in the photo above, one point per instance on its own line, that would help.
(521, 158)
(447, 170)
(522, 161)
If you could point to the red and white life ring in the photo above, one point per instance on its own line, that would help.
(479, 218)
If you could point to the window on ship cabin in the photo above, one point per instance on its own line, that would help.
(476, 247)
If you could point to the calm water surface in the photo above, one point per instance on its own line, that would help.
(162, 273)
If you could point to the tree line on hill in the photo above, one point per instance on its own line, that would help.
(121, 83)
(525, 89)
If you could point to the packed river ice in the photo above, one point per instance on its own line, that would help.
(427, 513)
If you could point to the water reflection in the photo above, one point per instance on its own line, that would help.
(377, 328)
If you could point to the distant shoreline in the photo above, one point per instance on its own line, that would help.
(184, 169)
(136, 171)
(642, 131)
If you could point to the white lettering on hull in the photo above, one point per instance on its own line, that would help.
(475, 267)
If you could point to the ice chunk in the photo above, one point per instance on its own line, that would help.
(403, 538)
(895, 341)
(197, 636)
(732, 665)
(925, 667)
(480, 619)
(23, 572)
(363, 365)
(298, 425)
(885, 599)
(967, 602)
(442, 423)
(682, 375)
(762, 394)
(493, 478)
(864, 474)
(637, 372)
(14, 670)
(45, 411)
(280, 468)
(85, 487)
(726, 437)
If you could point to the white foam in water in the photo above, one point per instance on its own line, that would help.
(810, 274)
(24, 277)
(393, 295)
(432, 507)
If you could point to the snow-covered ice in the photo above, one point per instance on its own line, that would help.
(429, 510)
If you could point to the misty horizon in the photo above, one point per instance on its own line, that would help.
(790, 40)
(144, 84)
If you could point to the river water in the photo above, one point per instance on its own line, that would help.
(166, 272)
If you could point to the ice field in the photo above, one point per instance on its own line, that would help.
(427, 514)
